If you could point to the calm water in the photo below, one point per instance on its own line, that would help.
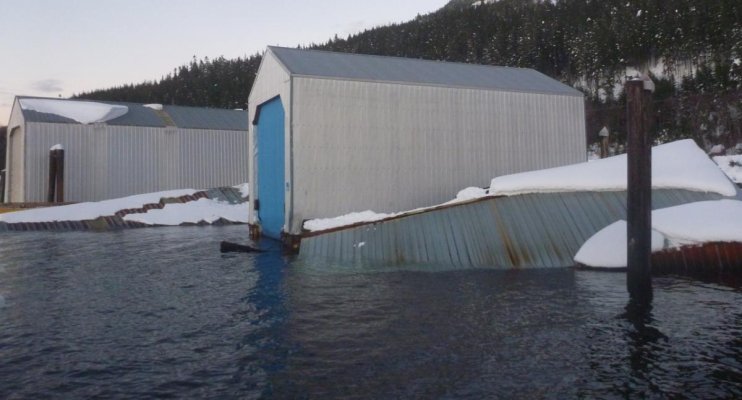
(158, 313)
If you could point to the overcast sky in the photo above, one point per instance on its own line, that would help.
(62, 47)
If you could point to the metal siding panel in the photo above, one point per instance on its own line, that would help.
(390, 147)
(103, 162)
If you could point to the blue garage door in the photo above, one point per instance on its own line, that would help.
(270, 157)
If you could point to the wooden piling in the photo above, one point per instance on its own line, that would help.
(639, 213)
(51, 189)
(60, 176)
(55, 190)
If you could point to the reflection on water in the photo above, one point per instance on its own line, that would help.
(160, 313)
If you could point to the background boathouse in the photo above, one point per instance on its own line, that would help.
(115, 149)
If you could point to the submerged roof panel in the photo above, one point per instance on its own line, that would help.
(525, 231)
(417, 71)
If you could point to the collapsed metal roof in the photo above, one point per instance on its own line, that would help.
(363, 67)
(139, 115)
(523, 231)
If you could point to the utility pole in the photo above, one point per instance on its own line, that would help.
(639, 199)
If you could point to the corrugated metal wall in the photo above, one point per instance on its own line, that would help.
(526, 231)
(391, 147)
(103, 162)
(272, 80)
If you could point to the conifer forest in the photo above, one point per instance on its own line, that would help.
(692, 49)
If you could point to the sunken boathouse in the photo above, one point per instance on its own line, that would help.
(333, 133)
(115, 149)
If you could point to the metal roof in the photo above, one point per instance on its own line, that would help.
(139, 115)
(363, 67)
(524, 231)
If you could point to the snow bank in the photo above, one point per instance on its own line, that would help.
(687, 224)
(84, 112)
(321, 224)
(681, 165)
(732, 166)
(206, 210)
(91, 210)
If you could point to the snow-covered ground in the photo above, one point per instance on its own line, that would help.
(673, 227)
(202, 210)
(678, 165)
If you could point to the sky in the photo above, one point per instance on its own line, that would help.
(57, 48)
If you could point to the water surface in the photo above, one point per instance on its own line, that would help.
(153, 313)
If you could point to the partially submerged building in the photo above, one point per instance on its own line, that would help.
(537, 219)
(115, 149)
(333, 133)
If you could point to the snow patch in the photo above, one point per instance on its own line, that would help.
(154, 106)
(202, 210)
(84, 112)
(608, 247)
(244, 189)
(470, 193)
(731, 166)
(680, 165)
(56, 147)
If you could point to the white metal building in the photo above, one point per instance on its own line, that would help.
(117, 149)
(334, 133)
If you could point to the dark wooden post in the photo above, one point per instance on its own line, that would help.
(639, 236)
(60, 175)
(50, 193)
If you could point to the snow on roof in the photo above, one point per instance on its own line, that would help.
(206, 210)
(732, 166)
(700, 222)
(321, 224)
(608, 247)
(89, 210)
(677, 165)
(687, 224)
(84, 112)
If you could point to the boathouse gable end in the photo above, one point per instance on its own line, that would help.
(273, 82)
(390, 134)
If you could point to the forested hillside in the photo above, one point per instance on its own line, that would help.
(693, 47)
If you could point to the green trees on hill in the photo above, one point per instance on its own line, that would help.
(693, 46)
